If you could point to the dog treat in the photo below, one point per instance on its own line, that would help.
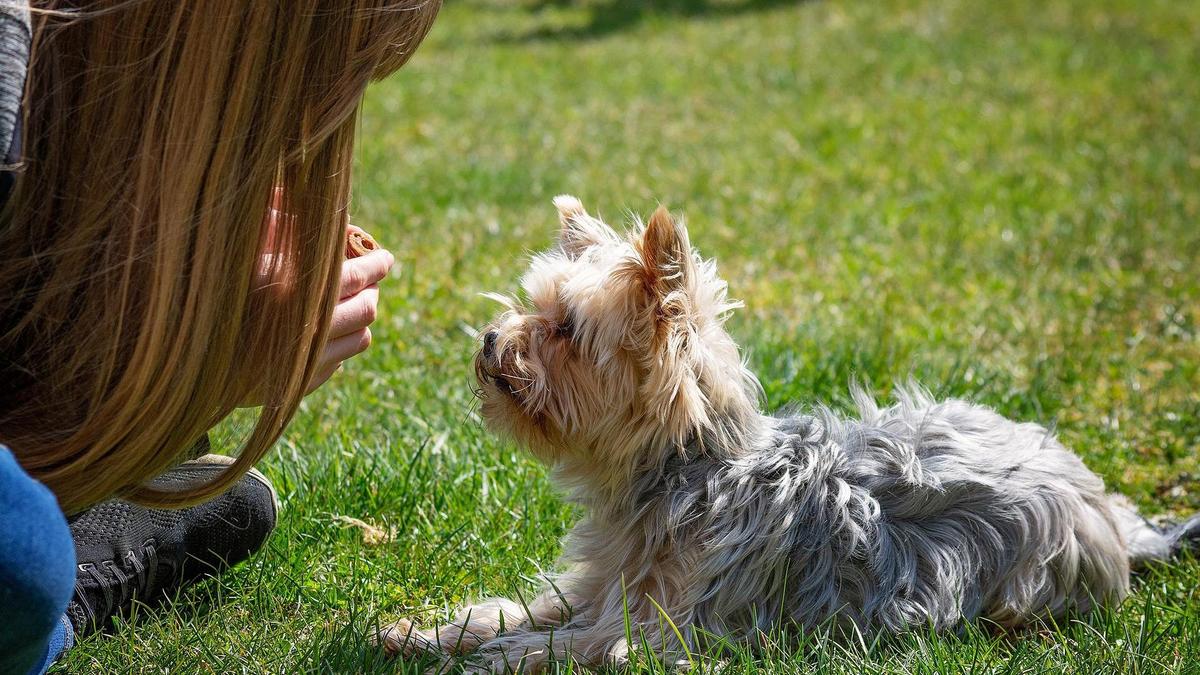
(359, 244)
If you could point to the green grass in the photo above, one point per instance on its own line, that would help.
(1000, 199)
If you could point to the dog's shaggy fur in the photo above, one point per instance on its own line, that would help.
(704, 513)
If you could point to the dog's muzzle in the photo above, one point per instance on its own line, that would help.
(487, 366)
(489, 345)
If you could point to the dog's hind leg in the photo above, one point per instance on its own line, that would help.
(1143, 541)
(1185, 535)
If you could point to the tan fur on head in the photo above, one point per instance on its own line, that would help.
(618, 357)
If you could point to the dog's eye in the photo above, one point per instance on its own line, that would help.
(566, 327)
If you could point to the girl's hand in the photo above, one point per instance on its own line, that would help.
(358, 301)
(350, 332)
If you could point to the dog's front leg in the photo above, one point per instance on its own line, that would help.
(477, 624)
(588, 645)
(533, 651)
(472, 626)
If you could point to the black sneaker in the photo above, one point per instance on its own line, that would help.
(126, 553)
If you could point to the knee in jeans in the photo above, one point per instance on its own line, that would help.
(37, 554)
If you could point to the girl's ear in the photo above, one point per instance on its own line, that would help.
(578, 229)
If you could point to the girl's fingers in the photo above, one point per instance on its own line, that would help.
(337, 351)
(354, 313)
(359, 273)
(349, 330)
(345, 347)
(322, 377)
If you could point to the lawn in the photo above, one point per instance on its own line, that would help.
(999, 199)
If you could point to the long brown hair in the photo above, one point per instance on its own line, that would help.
(154, 135)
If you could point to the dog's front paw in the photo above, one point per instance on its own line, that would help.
(403, 639)
(497, 661)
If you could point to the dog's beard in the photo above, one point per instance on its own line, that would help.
(490, 376)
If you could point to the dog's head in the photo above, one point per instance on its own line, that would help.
(617, 355)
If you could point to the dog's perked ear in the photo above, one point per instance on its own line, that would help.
(666, 254)
(674, 371)
(579, 230)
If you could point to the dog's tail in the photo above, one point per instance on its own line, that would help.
(1146, 541)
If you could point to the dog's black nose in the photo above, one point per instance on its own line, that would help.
(489, 344)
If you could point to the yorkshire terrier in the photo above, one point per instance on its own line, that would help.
(703, 515)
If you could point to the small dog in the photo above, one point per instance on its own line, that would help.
(705, 515)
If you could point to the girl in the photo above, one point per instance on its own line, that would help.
(170, 249)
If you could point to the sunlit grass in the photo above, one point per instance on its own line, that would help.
(999, 199)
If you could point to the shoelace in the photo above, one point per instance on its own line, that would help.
(144, 575)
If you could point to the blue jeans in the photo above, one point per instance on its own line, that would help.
(37, 573)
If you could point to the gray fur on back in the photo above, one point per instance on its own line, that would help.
(921, 513)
